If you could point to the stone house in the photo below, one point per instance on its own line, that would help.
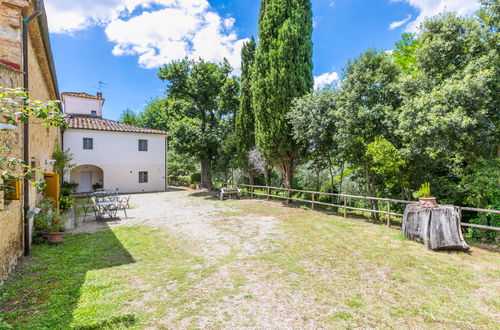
(29, 65)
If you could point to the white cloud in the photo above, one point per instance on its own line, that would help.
(157, 31)
(429, 8)
(395, 25)
(325, 79)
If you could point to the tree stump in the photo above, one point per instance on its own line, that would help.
(438, 227)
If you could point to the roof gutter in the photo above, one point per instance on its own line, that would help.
(42, 23)
(26, 185)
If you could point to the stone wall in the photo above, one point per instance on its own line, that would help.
(11, 233)
(41, 140)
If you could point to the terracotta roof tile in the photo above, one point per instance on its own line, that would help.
(101, 124)
(86, 95)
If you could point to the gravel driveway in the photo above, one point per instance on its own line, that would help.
(230, 242)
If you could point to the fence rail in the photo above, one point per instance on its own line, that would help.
(389, 202)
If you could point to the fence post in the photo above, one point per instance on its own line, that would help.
(345, 207)
(268, 193)
(288, 195)
(312, 202)
(389, 213)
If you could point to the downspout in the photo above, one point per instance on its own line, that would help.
(26, 185)
(166, 162)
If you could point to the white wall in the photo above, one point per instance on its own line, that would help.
(75, 105)
(118, 155)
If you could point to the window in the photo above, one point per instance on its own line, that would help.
(88, 143)
(93, 113)
(143, 177)
(143, 145)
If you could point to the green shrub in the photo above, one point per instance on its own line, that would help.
(65, 191)
(65, 203)
(69, 185)
(181, 180)
(195, 178)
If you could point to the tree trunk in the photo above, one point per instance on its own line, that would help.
(268, 175)
(370, 187)
(438, 228)
(251, 177)
(206, 176)
(288, 169)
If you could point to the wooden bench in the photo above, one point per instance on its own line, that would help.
(225, 192)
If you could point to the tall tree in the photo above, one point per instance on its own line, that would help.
(129, 117)
(245, 119)
(367, 102)
(208, 90)
(282, 72)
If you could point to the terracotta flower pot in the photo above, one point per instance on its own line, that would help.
(45, 235)
(427, 201)
(55, 237)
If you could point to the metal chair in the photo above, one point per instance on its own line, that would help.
(122, 204)
(90, 208)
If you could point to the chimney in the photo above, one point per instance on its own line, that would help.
(99, 94)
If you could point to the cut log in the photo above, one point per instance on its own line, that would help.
(438, 228)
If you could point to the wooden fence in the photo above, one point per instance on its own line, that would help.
(288, 196)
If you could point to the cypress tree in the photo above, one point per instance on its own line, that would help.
(282, 72)
(245, 120)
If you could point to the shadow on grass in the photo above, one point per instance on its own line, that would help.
(45, 289)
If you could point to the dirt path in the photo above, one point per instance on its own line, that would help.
(240, 289)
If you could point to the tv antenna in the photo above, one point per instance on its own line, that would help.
(102, 85)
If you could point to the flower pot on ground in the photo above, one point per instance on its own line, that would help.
(57, 225)
(424, 196)
(57, 237)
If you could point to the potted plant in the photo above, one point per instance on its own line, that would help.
(96, 186)
(57, 225)
(41, 220)
(424, 196)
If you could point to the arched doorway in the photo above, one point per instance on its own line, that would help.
(86, 176)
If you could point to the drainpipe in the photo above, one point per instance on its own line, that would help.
(26, 186)
(166, 162)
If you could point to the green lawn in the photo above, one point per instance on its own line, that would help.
(357, 274)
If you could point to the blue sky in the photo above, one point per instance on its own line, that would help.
(122, 42)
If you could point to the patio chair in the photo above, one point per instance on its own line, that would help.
(90, 208)
(122, 204)
(113, 195)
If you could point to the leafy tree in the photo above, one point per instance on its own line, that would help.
(404, 54)
(282, 72)
(245, 119)
(63, 161)
(367, 103)
(313, 119)
(449, 117)
(129, 117)
(208, 91)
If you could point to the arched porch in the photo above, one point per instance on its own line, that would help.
(86, 176)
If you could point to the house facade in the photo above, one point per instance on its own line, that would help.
(31, 142)
(111, 154)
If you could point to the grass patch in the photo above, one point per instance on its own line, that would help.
(92, 281)
(372, 276)
(348, 273)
